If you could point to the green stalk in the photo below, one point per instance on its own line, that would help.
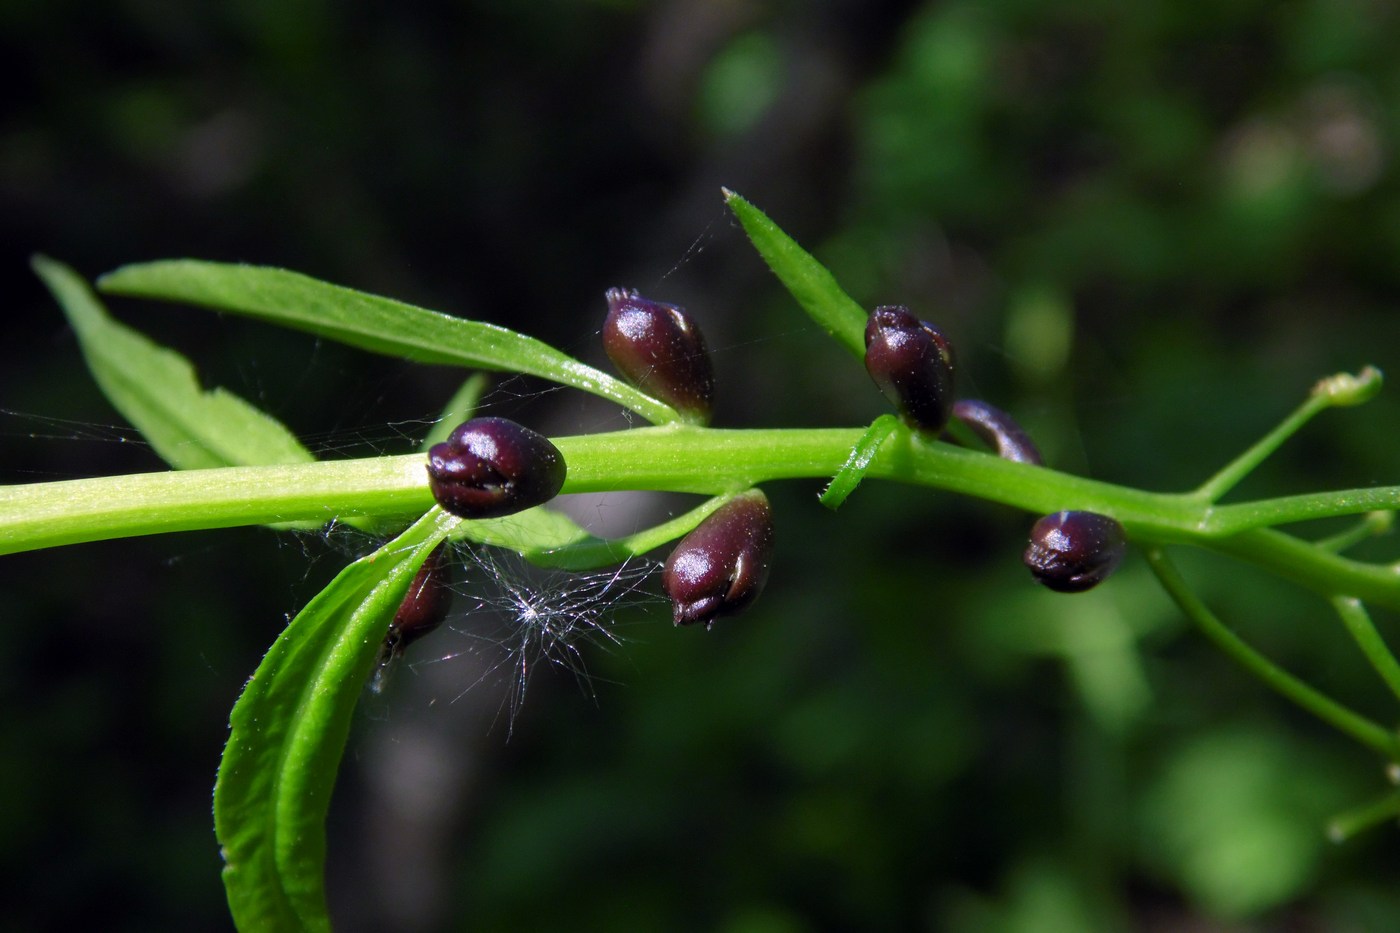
(1344, 826)
(1227, 520)
(1309, 565)
(675, 457)
(1338, 391)
(1363, 631)
(1230, 476)
(1324, 707)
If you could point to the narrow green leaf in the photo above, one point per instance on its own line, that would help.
(461, 407)
(288, 733)
(380, 325)
(809, 281)
(156, 389)
(853, 470)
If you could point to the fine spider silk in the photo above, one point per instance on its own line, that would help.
(518, 616)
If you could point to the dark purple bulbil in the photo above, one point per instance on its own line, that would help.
(998, 429)
(912, 364)
(426, 603)
(721, 566)
(659, 349)
(1075, 551)
(490, 467)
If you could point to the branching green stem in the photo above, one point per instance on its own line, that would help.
(1232, 519)
(1346, 825)
(1358, 622)
(1336, 391)
(683, 459)
(1236, 470)
(1339, 717)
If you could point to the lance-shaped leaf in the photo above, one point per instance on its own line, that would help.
(371, 323)
(815, 289)
(459, 408)
(288, 733)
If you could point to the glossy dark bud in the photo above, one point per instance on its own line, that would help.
(721, 566)
(1074, 551)
(657, 347)
(426, 603)
(490, 467)
(998, 430)
(912, 363)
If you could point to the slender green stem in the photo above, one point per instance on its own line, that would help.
(1234, 471)
(1363, 631)
(678, 458)
(1371, 525)
(1346, 825)
(1334, 391)
(49, 514)
(1308, 565)
(1319, 704)
(1224, 520)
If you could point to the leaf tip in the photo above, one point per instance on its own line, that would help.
(49, 269)
(734, 200)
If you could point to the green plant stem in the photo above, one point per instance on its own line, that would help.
(1324, 707)
(678, 458)
(1237, 469)
(1371, 525)
(1340, 390)
(1346, 825)
(1232, 519)
(1316, 568)
(1358, 622)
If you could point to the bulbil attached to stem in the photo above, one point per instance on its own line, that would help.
(912, 364)
(489, 467)
(659, 349)
(721, 567)
(1071, 552)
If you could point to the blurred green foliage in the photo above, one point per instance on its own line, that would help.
(1148, 228)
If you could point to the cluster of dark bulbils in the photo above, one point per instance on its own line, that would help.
(491, 467)
(912, 363)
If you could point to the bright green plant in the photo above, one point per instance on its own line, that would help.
(236, 465)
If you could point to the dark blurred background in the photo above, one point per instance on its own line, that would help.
(1148, 228)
